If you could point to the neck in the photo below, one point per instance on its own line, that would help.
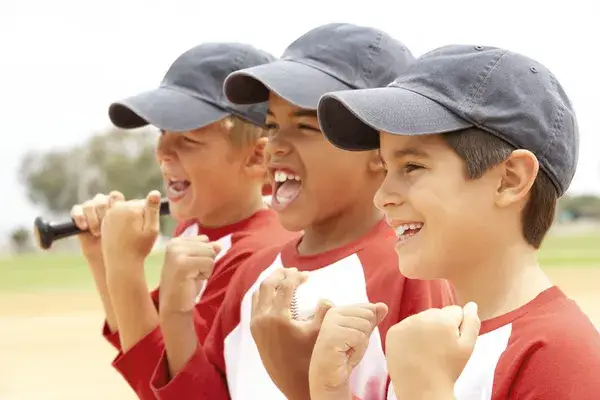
(511, 279)
(234, 211)
(339, 230)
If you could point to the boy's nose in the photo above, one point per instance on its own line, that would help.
(386, 196)
(276, 146)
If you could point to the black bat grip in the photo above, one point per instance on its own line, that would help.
(47, 233)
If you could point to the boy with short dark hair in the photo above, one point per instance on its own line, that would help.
(262, 340)
(211, 155)
(478, 143)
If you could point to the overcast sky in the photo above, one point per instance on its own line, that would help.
(63, 61)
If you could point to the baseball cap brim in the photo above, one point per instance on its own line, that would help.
(351, 120)
(297, 83)
(167, 109)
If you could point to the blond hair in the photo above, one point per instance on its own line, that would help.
(241, 132)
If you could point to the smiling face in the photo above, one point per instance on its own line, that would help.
(443, 220)
(313, 181)
(205, 173)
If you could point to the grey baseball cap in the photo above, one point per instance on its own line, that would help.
(455, 87)
(190, 95)
(328, 58)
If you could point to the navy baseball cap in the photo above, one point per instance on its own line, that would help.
(328, 58)
(190, 95)
(455, 87)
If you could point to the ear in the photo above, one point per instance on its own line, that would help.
(518, 173)
(256, 165)
(375, 162)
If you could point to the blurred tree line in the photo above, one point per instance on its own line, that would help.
(575, 208)
(113, 159)
(122, 160)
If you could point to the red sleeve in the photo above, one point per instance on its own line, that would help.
(216, 288)
(111, 337)
(137, 365)
(204, 373)
(565, 368)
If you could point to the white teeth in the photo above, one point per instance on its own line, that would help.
(176, 192)
(177, 187)
(282, 176)
(400, 230)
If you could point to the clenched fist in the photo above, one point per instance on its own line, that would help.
(189, 261)
(428, 351)
(130, 228)
(341, 344)
(285, 345)
(88, 217)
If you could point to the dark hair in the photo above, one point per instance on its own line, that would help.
(480, 151)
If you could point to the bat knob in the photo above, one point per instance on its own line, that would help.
(42, 233)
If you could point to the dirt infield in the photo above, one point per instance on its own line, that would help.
(51, 346)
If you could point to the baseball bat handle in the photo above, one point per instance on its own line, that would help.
(47, 233)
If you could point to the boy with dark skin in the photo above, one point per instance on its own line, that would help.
(478, 144)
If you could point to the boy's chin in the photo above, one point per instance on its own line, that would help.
(413, 269)
(179, 212)
(291, 221)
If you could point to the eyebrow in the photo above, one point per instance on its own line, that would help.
(410, 151)
(299, 113)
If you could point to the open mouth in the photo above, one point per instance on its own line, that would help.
(177, 189)
(406, 231)
(286, 187)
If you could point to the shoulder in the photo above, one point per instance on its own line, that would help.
(558, 353)
(263, 230)
(555, 323)
(564, 332)
(257, 261)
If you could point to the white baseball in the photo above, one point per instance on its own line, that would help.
(324, 284)
(306, 299)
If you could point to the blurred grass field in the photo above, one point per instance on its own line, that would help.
(56, 271)
(51, 319)
(60, 271)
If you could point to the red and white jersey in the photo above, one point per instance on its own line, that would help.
(228, 366)
(238, 242)
(547, 349)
